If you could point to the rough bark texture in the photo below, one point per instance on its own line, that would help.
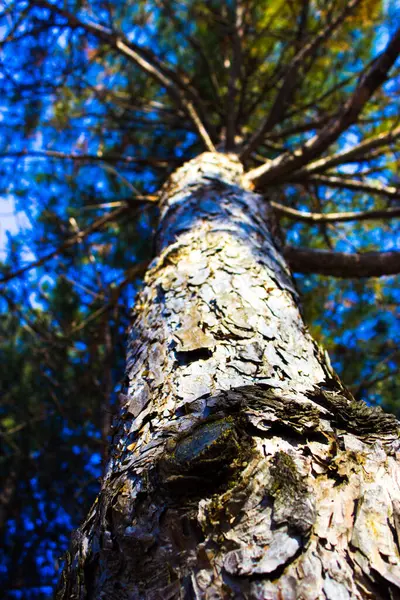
(240, 466)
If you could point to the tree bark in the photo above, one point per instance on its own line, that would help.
(240, 465)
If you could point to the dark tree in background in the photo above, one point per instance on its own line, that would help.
(240, 464)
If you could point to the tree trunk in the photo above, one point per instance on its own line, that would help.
(240, 465)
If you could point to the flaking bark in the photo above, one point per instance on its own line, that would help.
(240, 466)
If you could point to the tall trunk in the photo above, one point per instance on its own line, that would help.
(240, 466)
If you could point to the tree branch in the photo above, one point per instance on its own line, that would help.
(342, 217)
(296, 129)
(145, 60)
(357, 152)
(288, 87)
(370, 81)
(340, 264)
(113, 158)
(345, 183)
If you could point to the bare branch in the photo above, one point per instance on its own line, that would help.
(177, 93)
(113, 158)
(357, 152)
(370, 81)
(340, 264)
(145, 60)
(288, 87)
(342, 217)
(345, 183)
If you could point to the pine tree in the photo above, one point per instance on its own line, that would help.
(240, 465)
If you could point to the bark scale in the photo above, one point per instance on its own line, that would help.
(240, 465)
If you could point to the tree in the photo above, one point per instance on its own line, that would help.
(240, 465)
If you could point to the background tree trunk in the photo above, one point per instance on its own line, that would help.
(240, 465)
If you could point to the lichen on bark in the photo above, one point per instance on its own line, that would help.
(240, 466)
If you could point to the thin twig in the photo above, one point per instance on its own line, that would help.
(346, 183)
(134, 271)
(114, 158)
(75, 239)
(342, 217)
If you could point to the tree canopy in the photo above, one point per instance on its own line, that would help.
(100, 102)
